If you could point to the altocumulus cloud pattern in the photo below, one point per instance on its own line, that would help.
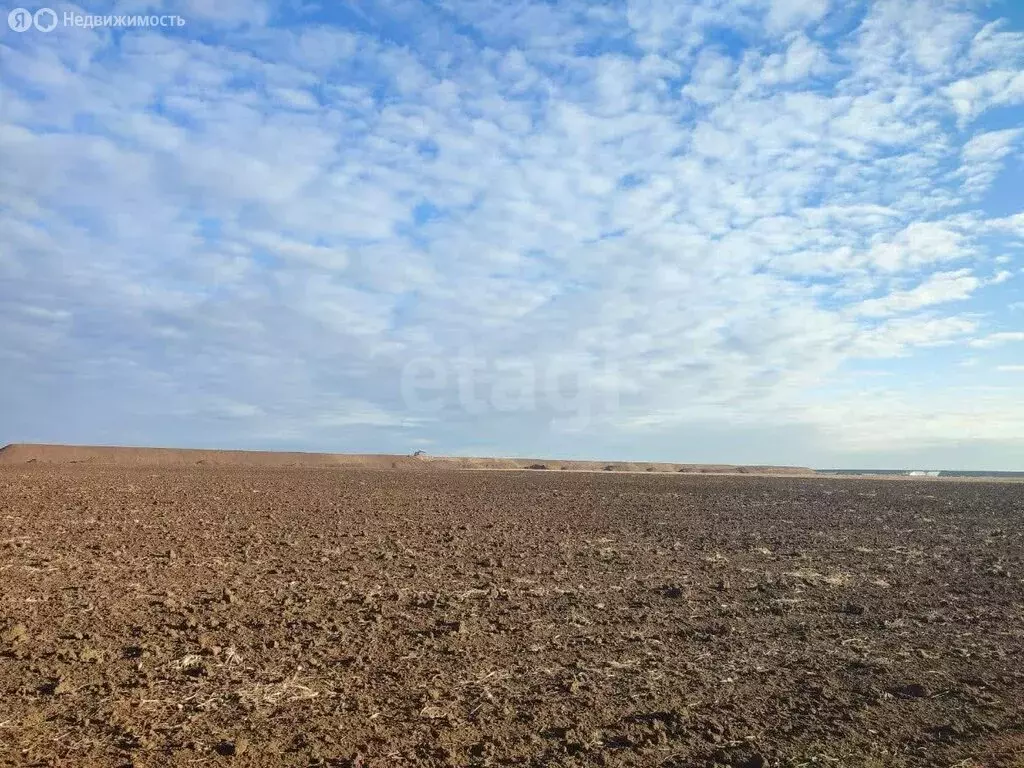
(760, 230)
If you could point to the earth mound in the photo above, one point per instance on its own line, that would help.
(25, 453)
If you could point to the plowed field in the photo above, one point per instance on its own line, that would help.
(263, 617)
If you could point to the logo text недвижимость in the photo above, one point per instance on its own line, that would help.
(46, 20)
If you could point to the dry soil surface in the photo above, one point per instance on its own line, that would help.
(263, 617)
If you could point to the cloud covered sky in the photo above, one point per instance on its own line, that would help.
(782, 231)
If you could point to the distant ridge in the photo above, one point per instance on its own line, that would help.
(25, 453)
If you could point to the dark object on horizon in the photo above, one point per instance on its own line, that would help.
(538, 466)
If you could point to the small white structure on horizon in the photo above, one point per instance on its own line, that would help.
(924, 473)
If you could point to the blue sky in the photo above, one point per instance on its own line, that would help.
(785, 231)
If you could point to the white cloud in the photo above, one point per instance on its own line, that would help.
(919, 244)
(786, 14)
(983, 157)
(973, 95)
(1000, 277)
(730, 204)
(712, 77)
(354, 412)
(230, 12)
(332, 259)
(941, 287)
(998, 339)
(881, 419)
(803, 58)
(994, 45)
(899, 336)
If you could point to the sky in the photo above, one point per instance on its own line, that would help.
(758, 231)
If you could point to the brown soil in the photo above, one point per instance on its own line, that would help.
(121, 456)
(202, 615)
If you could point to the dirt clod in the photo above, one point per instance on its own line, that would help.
(232, 747)
(15, 634)
(911, 691)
